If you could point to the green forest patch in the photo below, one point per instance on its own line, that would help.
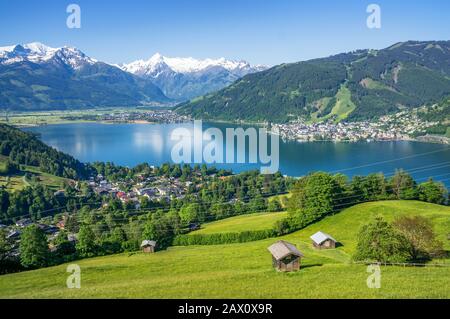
(249, 222)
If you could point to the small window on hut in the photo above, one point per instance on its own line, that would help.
(289, 259)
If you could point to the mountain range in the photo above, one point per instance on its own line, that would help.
(357, 85)
(186, 78)
(35, 76)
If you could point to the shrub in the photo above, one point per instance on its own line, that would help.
(222, 238)
(432, 192)
(419, 232)
(379, 241)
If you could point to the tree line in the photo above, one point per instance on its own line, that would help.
(25, 149)
(320, 194)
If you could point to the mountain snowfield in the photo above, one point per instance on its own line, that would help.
(187, 78)
(188, 65)
(37, 52)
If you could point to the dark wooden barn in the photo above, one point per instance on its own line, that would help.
(285, 256)
(322, 240)
(148, 246)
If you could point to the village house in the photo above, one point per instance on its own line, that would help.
(61, 224)
(72, 238)
(148, 246)
(60, 193)
(322, 240)
(24, 223)
(13, 234)
(285, 256)
(163, 191)
(101, 191)
(122, 196)
(48, 229)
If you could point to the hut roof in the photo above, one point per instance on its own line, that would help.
(148, 243)
(282, 249)
(320, 237)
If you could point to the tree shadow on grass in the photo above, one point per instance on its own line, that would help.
(310, 266)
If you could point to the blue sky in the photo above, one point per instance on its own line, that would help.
(260, 31)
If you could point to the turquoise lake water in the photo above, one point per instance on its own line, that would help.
(131, 144)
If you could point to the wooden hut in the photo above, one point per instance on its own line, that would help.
(285, 256)
(322, 240)
(148, 246)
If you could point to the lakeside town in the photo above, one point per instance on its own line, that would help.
(405, 125)
(164, 116)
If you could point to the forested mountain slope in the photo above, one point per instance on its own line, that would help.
(24, 148)
(359, 85)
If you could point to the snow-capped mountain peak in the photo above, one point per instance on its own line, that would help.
(37, 52)
(157, 57)
(185, 78)
(178, 78)
(186, 65)
(39, 48)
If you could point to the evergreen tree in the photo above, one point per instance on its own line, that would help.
(34, 252)
(86, 245)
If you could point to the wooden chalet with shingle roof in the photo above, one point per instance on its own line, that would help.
(148, 246)
(322, 240)
(285, 256)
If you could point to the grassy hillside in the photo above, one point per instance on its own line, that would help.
(17, 181)
(263, 221)
(345, 225)
(245, 270)
(340, 109)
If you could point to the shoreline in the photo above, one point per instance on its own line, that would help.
(431, 139)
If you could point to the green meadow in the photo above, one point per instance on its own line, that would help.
(18, 181)
(245, 270)
(260, 221)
